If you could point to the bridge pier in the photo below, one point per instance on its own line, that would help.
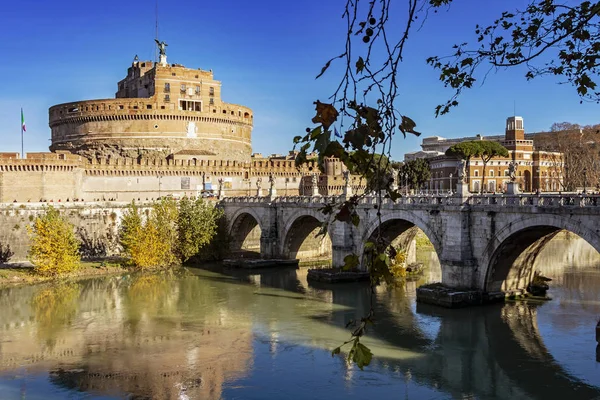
(343, 237)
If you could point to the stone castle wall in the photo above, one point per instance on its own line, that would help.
(134, 127)
(41, 176)
(61, 177)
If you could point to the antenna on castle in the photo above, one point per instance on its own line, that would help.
(514, 108)
(156, 33)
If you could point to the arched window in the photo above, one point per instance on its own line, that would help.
(476, 173)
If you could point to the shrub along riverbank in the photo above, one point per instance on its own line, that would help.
(165, 235)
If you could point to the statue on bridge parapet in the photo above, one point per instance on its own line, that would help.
(347, 185)
(272, 190)
(512, 171)
(271, 180)
(259, 187)
(220, 192)
(512, 187)
(462, 171)
(315, 185)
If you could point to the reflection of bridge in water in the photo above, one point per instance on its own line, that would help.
(494, 351)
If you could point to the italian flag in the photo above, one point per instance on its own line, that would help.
(23, 121)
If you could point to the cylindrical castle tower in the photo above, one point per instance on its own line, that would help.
(160, 111)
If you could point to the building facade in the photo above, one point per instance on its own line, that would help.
(536, 170)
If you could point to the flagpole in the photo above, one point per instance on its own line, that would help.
(22, 152)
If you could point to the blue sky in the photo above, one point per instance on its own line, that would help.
(267, 54)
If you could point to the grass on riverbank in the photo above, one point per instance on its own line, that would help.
(23, 273)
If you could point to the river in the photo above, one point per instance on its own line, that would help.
(212, 333)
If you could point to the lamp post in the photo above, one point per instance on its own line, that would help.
(584, 180)
(450, 183)
(159, 176)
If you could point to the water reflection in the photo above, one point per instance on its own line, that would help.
(266, 334)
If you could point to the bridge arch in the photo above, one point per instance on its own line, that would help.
(508, 261)
(300, 238)
(398, 223)
(245, 229)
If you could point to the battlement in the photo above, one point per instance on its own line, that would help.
(122, 109)
(40, 162)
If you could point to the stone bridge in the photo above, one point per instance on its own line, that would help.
(483, 242)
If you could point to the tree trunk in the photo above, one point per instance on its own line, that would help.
(483, 189)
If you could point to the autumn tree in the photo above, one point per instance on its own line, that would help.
(54, 246)
(168, 233)
(197, 224)
(145, 243)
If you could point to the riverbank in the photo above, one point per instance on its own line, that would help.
(15, 274)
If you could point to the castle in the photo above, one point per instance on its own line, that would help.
(167, 132)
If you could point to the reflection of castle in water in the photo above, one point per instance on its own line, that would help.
(126, 336)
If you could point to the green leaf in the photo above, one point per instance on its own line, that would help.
(361, 355)
(335, 149)
(355, 219)
(335, 351)
(350, 262)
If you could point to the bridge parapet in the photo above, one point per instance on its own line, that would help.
(527, 200)
(412, 200)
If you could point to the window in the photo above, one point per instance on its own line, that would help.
(189, 105)
(492, 173)
(211, 91)
(197, 89)
(505, 172)
(476, 173)
(183, 87)
(173, 74)
(211, 101)
(149, 106)
(167, 98)
(167, 87)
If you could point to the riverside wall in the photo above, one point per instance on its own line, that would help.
(96, 221)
